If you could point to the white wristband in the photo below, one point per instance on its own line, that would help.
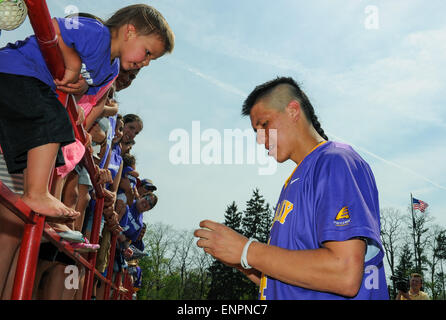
(244, 257)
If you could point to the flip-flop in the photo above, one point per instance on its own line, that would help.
(85, 247)
(72, 236)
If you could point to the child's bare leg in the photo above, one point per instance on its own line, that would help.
(11, 230)
(41, 275)
(59, 227)
(70, 196)
(9, 285)
(54, 284)
(82, 203)
(37, 175)
(57, 186)
(80, 291)
(100, 292)
(70, 190)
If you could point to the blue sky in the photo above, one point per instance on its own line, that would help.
(381, 90)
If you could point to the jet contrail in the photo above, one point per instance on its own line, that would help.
(238, 92)
(389, 162)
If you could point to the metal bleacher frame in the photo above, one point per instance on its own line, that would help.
(35, 226)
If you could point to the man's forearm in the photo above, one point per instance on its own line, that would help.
(320, 269)
(252, 274)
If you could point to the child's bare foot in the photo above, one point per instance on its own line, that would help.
(48, 205)
(59, 227)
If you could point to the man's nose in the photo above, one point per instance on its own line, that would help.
(261, 136)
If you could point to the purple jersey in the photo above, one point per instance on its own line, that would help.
(331, 196)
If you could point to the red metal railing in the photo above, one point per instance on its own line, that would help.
(35, 225)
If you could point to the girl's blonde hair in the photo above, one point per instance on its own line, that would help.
(147, 20)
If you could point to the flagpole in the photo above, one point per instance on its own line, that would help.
(413, 233)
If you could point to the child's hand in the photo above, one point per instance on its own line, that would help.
(128, 253)
(109, 199)
(104, 176)
(80, 115)
(76, 88)
(88, 142)
(136, 193)
(70, 76)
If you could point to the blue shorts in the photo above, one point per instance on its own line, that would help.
(88, 221)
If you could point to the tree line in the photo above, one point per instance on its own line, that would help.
(414, 243)
(176, 269)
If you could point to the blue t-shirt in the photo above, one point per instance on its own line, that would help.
(139, 245)
(91, 40)
(110, 136)
(125, 218)
(138, 279)
(125, 174)
(331, 196)
(134, 224)
(115, 160)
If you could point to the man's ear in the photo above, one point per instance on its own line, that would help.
(293, 109)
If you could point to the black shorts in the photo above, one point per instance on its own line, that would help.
(30, 116)
(49, 252)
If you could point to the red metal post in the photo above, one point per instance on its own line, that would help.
(111, 261)
(26, 265)
(128, 285)
(29, 250)
(116, 292)
(40, 20)
(89, 275)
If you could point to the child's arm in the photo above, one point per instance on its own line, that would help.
(107, 161)
(95, 112)
(71, 59)
(120, 208)
(117, 179)
(134, 173)
(110, 109)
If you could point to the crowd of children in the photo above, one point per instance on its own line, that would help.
(101, 58)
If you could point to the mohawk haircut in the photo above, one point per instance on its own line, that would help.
(267, 90)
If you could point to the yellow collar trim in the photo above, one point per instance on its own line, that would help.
(317, 146)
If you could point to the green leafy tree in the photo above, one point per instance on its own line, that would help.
(419, 227)
(257, 218)
(440, 253)
(405, 263)
(158, 279)
(254, 222)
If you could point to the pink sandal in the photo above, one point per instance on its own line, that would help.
(84, 246)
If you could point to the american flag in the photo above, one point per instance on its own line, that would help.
(419, 205)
